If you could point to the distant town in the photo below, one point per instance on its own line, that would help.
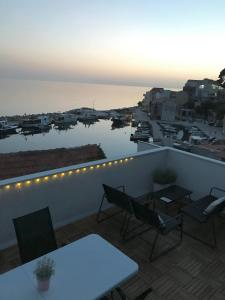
(192, 119)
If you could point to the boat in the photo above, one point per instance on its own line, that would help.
(6, 128)
(139, 136)
(65, 119)
(40, 122)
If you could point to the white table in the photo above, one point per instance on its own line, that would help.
(85, 269)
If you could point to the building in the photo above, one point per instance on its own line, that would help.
(202, 90)
(164, 104)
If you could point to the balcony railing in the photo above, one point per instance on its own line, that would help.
(75, 192)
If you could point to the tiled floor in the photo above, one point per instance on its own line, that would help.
(191, 271)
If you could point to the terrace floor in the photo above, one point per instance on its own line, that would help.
(191, 271)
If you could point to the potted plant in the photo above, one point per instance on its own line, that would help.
(44, 271)
(163, 178)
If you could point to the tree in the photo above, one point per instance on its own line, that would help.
(221, 80)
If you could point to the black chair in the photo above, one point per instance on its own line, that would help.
(35, 234)
(163, 224)
(204, 211)
(118, 198)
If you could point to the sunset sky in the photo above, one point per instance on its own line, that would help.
(132, 42)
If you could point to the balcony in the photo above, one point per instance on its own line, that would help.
(73, 194)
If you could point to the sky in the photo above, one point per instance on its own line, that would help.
(133, 42)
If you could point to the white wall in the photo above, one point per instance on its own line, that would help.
(73, 197)
(197, 173)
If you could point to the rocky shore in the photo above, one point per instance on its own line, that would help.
(28, 162)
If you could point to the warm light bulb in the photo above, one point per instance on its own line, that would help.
(110, 163)
(115, 162)
(121, 161)
(7, 187)
(131, 158)
(62, 174)
(91, 168)
(55, 176)
(104, 165)
(28, 182)
(84, 169)
(98, 166)
(37, 180)
(126, 159)
(77, 171)
(46, 178)
(18, 185)
(70, 172)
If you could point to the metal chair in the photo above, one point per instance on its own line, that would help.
(118, 198)
(204, 211)
(35, 234)
(163, 224)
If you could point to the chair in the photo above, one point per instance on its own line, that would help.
(35, 234)
(118, 198)
(205, 210)
(163, 224)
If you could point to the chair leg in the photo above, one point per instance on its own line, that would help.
(154, 245)
(125, 218)
(214, 233)
(208, 244)
(100, 209)
(126, 226)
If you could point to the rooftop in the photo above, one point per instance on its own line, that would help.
(185, 273)
(191, 271)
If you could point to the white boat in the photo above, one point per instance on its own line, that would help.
(141, 136)
(36, 123)
(6, 128)
(65, 119)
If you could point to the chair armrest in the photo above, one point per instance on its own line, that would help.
(217, 189)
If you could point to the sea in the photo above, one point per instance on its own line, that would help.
(19, 97)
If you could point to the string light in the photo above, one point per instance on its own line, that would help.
(46, 178)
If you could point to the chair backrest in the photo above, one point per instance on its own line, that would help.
(118, 198)
(35, 234)
(146, 215)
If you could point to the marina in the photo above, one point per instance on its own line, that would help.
(113, 141)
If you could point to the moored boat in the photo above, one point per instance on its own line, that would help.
(35, 123)
(6, 128)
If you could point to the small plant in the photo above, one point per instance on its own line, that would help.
(164, 176)
(45, 268)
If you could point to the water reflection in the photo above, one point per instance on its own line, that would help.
(113, 142)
